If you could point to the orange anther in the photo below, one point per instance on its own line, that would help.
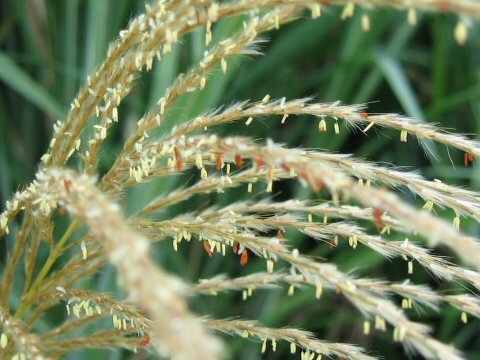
(469, 157)
(180, 160)
(244, 258)
(208, 248)
(239, 160)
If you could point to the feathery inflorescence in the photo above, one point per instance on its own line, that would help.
(352, 197)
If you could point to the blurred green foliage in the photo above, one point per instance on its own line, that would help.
(48, 47)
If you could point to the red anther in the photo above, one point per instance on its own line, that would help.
(304, 176)
(260, 163)
(208, 248)
(180, 161)
(235, 247)
(378, 217)
(280, 234)
(63, 211)
(469, 157)
(286, 167)
(145, 341)
(317, 185)
(244, 258)
(219, 157)
(239, 160)
(364, 115)
(68, 185)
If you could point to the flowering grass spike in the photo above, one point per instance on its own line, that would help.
(355, 206)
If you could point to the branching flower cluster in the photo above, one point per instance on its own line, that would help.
(156, 314)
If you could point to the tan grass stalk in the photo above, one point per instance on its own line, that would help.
(412, 294)
(77, 268)
(467, 303)
(220, 283)
(463, 202)
(129, 252)
(203, 224)
(97, 340)
(354, 115)
(111, 78)
(418, 293)
(31, 253)
(67, 134)
(213, 183)
(16, 341)
(327, 275)
(86, 111)
(86, 303)
(438, 266)
(71, 325)
(74, 270)
(466, 7)
(197, 75)
(160, 35)
(317, 175)
(242, 43)
(8, 278)
(304, 340)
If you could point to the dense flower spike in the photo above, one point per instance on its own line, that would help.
(254, 231)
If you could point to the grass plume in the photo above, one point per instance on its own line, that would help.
(49, 267)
